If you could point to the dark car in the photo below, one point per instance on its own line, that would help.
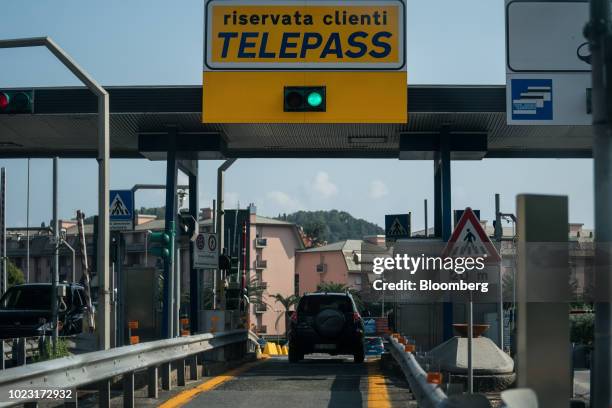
(25, 310)
(326, 323)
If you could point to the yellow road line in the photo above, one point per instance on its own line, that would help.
(184, 397)
(378, 396)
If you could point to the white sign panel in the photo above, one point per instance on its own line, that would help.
(205, 252)
(546, 36)
(547, 82)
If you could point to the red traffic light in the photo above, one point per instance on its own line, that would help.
(4, 100)
(15, 102)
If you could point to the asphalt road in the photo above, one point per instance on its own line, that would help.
(318, 381)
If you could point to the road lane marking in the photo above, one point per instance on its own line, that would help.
(184, 397)
(378, 396)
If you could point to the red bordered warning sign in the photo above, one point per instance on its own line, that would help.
(469, 240)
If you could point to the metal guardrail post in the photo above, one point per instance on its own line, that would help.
(2, 361)
(128, 390)
(180, 372)
(152, 382)
(194, 373)
(21, 354)
(166, 380)
(104, 394)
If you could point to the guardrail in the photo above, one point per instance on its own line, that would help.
(427, 395)
(100, 367)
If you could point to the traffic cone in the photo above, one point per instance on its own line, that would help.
(285, 351)
(270, 349)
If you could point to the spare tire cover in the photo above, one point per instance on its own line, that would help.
(329, 322)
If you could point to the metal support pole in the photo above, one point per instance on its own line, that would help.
(437, 196)
(56, 244)
(220, 220)
(500, 289)
(599, 33)
(28, 225)
(194, 293)
(170, 222)
(3, 263)
(445, 170)
(67, 245)
(470, 342)
(426, 226)
(443, 208)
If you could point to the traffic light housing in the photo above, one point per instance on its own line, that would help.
(305, 99)
(163, 243)
(13, 102)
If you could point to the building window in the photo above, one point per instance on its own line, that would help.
(296, 285)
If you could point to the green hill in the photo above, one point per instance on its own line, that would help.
(332, 226)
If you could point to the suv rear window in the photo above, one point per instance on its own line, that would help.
(314, 304)
(27, 297)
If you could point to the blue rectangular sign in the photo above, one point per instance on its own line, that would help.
(121, 210)
(532, 99)
(397, 226)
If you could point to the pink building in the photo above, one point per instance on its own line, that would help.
(272, 262)
(273, 250)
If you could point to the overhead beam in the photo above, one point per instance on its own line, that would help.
(424, 145)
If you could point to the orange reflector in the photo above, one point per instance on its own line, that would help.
(134, 339)
(434, 378)
(409, 348)
(133, 324)
(184, 332)
(402, 340)
(184, 321)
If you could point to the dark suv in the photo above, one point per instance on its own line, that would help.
(326, 323)
(25, 310)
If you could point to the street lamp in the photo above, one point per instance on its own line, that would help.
(67, 245)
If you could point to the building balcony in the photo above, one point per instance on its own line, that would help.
(261, 242)
(260, 308)
(261, 264)
(261, 329)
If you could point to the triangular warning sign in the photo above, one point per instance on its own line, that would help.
(397, 228)
(469, 240)
(118, 207)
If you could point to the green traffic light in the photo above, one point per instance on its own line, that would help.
(314, 99)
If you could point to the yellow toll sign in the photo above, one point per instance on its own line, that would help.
(347, 35)
(258, 51)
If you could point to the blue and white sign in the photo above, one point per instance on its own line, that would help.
(397, 226)
(548, 76)
(532, 99)
(121, 210)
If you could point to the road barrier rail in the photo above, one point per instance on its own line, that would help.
(428, 395)
(100, 367)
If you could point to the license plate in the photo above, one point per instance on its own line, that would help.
(325, 346)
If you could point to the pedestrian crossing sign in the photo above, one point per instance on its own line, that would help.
(397, 226)
(121, 210)
(469, 240)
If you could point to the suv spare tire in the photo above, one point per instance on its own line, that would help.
(329, 322)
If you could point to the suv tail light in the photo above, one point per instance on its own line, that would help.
(356, 317)
(294, 317)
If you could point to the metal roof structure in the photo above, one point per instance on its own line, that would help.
(64, 124)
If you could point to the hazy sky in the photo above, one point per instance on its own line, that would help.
(156, 42)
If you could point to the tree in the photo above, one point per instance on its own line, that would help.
(15, 275)
(287, 302)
